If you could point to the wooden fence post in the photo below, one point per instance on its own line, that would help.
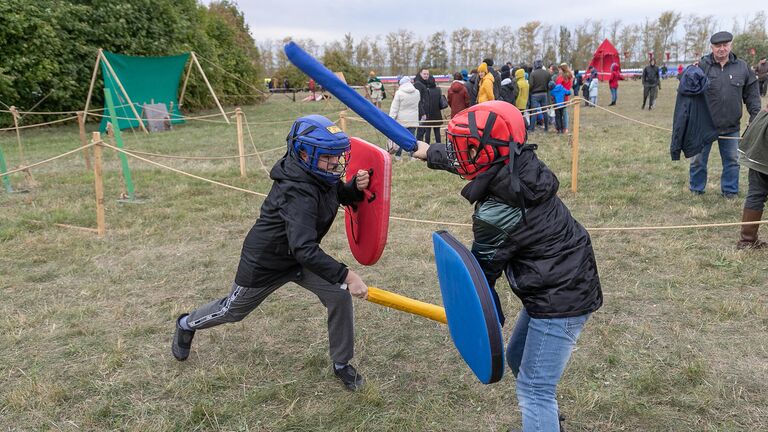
(240, 143)
(83, 139)
(101, 228)
(343, 121)
(22, 159)
(575, 148)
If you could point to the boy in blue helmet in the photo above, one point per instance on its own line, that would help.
(284, 244)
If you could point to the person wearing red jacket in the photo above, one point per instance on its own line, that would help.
(458, 96)
(565, 78)
(613, 83)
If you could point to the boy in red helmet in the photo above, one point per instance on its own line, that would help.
(284, 244)
(521, 228)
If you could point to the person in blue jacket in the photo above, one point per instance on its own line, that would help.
(559, 93)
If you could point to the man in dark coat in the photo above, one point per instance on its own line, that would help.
(538, 82)
(761, 69)
(731, 84)
(651, 84)
(429, 106)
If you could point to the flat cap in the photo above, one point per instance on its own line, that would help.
(720, 37)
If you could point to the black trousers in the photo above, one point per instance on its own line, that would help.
(758, 190)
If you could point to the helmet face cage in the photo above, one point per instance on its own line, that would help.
(320, 147)
(320, 159)
(468, 156)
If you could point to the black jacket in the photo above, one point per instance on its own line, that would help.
(729, 87)
(509, 92)
(692, 126)
(546, 254)
(651, 76)
(429, 102)
(538, 80)
(471, 86)
(295, 216)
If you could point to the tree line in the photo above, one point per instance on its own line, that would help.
(49, 48)
(682, 38)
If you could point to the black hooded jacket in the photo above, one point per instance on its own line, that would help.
(472, 86)
(531, 235)
(692, 125)
(729, 87)
(295, 216)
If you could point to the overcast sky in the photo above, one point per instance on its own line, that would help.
(325, 21)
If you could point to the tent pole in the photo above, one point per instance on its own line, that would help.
(93, 81)
(205, 78)
(184, 87)
(125, 93)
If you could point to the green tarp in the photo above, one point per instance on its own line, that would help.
(146, 80)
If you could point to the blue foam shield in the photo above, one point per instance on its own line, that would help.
(346, 94)
(472, 318)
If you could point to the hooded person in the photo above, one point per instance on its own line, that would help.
(284, 245)
(651, 84)
(613, 83)
(458, 96)
(523, 230)
(509, 91)
(593, 88)
(464, 75)
(496, 77)
(522, 84)
(472, 85)
(504, 73)
(487, 82)
(405, 108)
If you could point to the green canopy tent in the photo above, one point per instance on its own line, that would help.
(134, 81)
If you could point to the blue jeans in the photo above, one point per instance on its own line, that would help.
(537, 353)
(614, 95)
(539, 100)
(565, 117)
(729, 180)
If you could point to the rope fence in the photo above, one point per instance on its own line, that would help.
(139, 156)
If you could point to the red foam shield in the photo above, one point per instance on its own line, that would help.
(367, 221)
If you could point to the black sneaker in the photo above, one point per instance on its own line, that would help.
(182, 341)
(349, 376)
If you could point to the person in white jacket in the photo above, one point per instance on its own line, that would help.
(405, 108)
(593, 82)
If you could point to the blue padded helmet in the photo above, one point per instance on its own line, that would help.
(316, 136)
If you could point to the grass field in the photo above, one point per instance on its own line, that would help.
(85, 323)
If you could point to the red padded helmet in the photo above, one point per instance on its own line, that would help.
(481, 135)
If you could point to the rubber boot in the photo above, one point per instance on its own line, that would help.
(748, 238)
